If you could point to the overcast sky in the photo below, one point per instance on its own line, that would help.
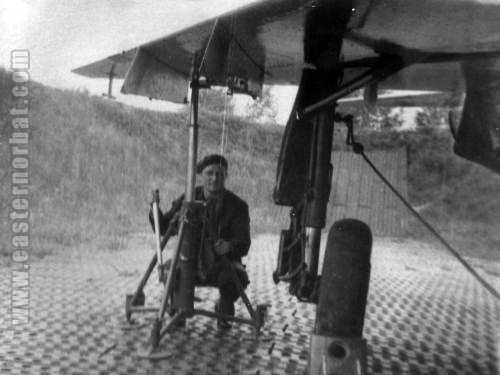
(65, 34)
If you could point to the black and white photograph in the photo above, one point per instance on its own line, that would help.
(250, 187)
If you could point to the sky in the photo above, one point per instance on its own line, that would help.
(62, 35)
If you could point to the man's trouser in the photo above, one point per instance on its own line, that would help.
(220, 276)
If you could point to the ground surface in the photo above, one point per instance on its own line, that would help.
(425, 315)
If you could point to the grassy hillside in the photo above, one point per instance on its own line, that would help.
(94, 162)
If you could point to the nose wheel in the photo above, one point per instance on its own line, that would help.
(337, 344)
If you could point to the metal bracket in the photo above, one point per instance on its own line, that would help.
(383, 66)
(339, 356)
(111, 75)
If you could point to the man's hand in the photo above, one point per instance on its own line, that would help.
(222, 247)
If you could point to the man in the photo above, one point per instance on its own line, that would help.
(225, 233)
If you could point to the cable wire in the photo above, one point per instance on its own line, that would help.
(208, 44)
(359, 149)
(223, 141)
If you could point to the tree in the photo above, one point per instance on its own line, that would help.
(263, 109)
(389, 118)
(430, 117)
(378, 117)
(215, 100)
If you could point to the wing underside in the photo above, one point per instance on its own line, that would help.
(263, 43)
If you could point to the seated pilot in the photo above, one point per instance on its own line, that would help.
(226, 232)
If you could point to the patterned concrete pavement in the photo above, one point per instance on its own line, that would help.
(425, 315)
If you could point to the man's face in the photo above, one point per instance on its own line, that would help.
(213, 177)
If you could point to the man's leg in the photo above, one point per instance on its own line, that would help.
(228, 291)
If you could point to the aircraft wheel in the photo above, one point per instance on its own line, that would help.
(341, 306)
(344, 280)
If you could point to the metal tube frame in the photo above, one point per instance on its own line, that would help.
(156, 221)
(312, 235)
(110, 84)
(193, 140)
(386, 65)
(190, 186)
(311, 249)
(149, 270)
(189, 198)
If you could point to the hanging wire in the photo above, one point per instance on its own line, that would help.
(224, 133)
(359, 149)
(208, 43)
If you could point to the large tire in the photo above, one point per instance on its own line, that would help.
(345, 280)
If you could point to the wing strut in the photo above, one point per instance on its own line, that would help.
(111, 75)
(384, 66)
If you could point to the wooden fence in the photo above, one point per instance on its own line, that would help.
(357, 192)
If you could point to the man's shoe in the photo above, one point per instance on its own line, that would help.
(181, 323)
(222, 324)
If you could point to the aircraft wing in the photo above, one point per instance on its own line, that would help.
(116, 65)
(263, 42)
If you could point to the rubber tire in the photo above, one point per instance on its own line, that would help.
(344, 281)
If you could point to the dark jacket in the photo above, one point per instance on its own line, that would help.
(232, 222)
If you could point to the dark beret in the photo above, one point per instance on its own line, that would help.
(210, 160)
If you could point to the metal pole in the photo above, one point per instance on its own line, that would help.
(320, 175)
(153, 261)
(384, 67)
(170, 278)
(156, 220)
(312, 234)
(190, 186)
(355, 84)
(193, 141)
(110, 86)
(311, 251)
